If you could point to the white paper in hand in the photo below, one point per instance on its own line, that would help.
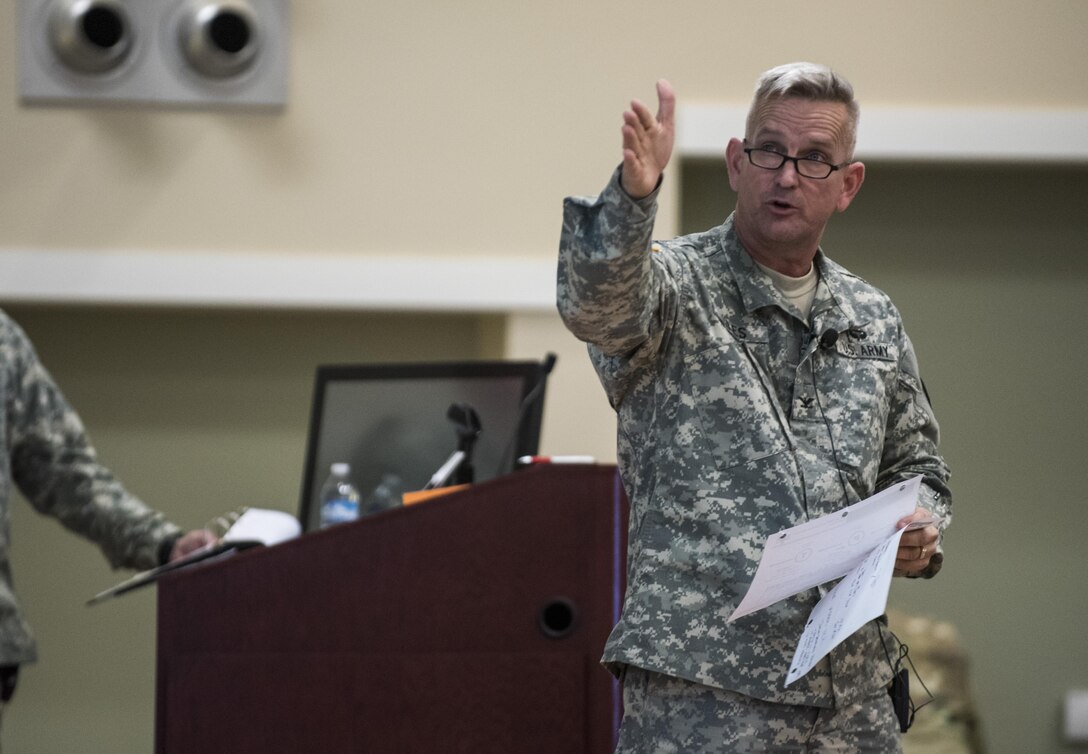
(860, 597)
(255, 526)
(826, 548)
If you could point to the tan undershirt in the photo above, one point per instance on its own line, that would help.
(798, 291)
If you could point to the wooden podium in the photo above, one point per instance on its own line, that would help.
(470, 623)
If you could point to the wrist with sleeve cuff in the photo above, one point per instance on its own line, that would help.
(166, 547)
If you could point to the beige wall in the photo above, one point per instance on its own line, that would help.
(455, 129)
(424, 129)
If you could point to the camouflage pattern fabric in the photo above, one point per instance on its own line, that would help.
(669, 715)
(950, 722)
(734, 422)
(47, 455)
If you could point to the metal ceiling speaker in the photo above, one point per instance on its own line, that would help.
(90, 36)
(220, 39)
(209, 54)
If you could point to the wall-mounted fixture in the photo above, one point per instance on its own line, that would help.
(220, 40)
(197, 53)
(89, 36)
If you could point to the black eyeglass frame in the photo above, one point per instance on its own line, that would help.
(784, 158)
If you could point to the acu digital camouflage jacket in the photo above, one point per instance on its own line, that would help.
(45, 452)
(737, 419)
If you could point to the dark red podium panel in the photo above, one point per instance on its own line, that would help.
(470, 623)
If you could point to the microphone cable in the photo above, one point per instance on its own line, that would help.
(827, 342)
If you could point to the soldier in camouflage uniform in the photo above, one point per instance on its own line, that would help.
(46, 454)
(757, 385)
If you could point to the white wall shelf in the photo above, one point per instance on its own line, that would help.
(308, 281)
(283, 281)
(917, 134)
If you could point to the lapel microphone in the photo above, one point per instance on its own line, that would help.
(829, 339)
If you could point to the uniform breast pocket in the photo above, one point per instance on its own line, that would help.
(860, 397)
(729, 408)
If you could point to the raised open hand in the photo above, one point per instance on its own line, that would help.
(647, 142)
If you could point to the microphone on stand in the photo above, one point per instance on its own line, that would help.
(458, 466)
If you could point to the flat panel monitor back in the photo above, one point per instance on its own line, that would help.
(389, 422)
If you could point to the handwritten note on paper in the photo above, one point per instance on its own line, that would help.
(860, 597)
(826, 548)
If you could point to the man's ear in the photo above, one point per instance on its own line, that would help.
(734, 158)
(853, 177)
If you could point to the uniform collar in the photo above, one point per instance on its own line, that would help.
(831, 307)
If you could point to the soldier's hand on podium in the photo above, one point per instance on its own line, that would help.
(191, 542)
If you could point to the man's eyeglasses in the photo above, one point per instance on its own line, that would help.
(768, 159)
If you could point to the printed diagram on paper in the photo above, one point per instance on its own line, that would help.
(857, 544)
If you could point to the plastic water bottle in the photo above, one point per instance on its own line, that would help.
(339, 498)
(386, 496)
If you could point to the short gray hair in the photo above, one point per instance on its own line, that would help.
(807, 81)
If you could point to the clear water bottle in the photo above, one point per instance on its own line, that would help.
(386, 496)
(339, 498)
